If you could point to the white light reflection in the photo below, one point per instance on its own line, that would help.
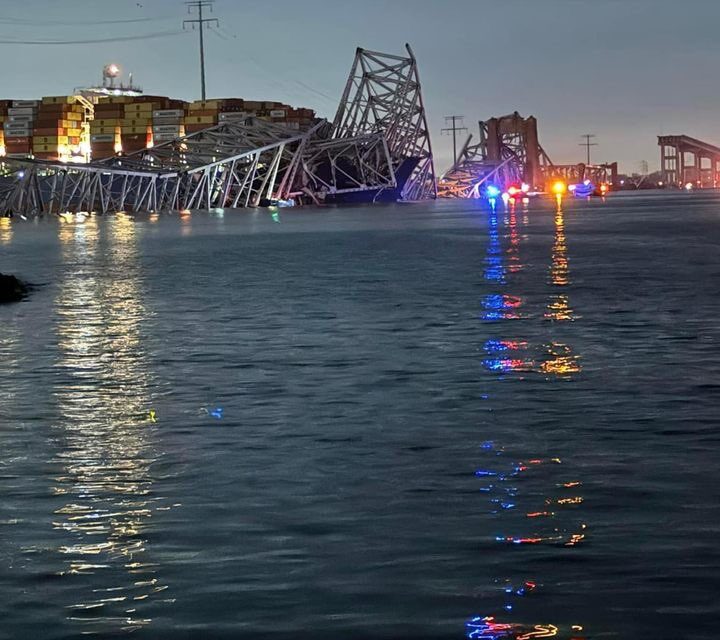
(105, 446)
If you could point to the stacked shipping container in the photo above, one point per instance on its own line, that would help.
(53, 128)
(202, 115)
(57, 130)
(18, 126)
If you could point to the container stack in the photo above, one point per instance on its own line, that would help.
(57, 129)
(136, 126)
(105, 129)
(201, 115)
(18, 127)
(167, 124)
(131, 124)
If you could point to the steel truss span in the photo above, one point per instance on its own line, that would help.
(509, 153)
(383, 96)
(377, 148)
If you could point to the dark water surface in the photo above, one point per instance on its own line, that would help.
(380, 423)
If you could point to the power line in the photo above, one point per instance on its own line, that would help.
(454, 129)
(269, 72)
(160, 34)
(588, 137)
(80, 23)
(199, 5)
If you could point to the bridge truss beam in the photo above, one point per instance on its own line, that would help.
(377, 145)
(383, 95)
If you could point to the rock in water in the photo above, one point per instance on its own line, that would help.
(11, 289)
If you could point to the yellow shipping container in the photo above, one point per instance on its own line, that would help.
(74, 132)
(141, 107)
(208, 105)
(50, 140)
(58, 100)
(135, 122)
(73, 115)
(44, 147)
(117, 100)
(200, 119)
(105, 122)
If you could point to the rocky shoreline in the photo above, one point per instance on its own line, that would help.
(12, 289)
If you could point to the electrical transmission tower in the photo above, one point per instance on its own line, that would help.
(200, 5)
(454, 129)
(588, 138)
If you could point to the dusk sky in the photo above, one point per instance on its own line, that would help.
(626, 70)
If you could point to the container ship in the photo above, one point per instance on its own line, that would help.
(115, 119)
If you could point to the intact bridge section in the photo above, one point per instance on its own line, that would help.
(685, 160)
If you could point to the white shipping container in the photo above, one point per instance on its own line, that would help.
(168, 113)
(15, 119)
(293, 125)
(16, 126)
(235, 115)
(166, 128)
(102, 137)
(277, 113)
(18, 134)
(25, 103)
(164, 137)
(163, 121)
(22, 111)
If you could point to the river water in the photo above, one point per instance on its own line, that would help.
(419, 421)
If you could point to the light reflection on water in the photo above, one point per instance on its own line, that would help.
(6, 230)
(105, 445)
(336, 496)
(513, 487)
(553, 358)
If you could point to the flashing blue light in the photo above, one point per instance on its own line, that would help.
(496, 364)
(481, 472)
(496, 301)
(493, 316)
(488, 444)
(492, 191)
(217, 412)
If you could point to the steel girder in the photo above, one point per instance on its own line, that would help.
(383, 95)
(231, 165)
(379, 139)
(473, 170)
(347, 165)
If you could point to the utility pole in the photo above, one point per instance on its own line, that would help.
(454, 129)
(588, 137)
(199, 5)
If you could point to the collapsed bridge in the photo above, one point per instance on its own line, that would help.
(376, 148)
(508, 152)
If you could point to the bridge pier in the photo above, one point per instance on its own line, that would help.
(677, 170)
